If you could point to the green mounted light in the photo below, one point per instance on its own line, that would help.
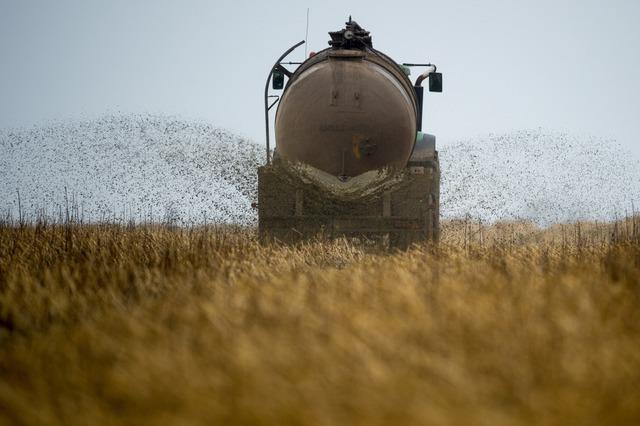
(278, 80)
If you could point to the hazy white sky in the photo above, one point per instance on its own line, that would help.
(559, 65)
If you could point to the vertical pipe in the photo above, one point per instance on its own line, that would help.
(420, 96)
(266, 115)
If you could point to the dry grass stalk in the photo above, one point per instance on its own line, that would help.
(499, 325)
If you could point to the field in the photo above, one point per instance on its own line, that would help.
(498, 325)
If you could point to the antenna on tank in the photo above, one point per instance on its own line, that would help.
(306, 36)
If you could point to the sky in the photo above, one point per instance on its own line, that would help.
(569, 66)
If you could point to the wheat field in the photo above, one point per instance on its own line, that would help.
(497, 325)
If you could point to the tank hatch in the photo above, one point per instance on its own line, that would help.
(352, 36)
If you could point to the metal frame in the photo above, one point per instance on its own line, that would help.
(267, 107)
(420, 65)
(419, 90)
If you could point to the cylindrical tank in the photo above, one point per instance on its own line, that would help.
(347, 112)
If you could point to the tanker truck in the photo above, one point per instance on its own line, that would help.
(350, 157)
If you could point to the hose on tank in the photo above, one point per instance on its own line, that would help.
(430, 69)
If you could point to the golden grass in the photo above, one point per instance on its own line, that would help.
(500, 325)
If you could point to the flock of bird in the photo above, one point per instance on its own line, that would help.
(161, 169)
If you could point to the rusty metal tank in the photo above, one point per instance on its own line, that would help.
(347, 110)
